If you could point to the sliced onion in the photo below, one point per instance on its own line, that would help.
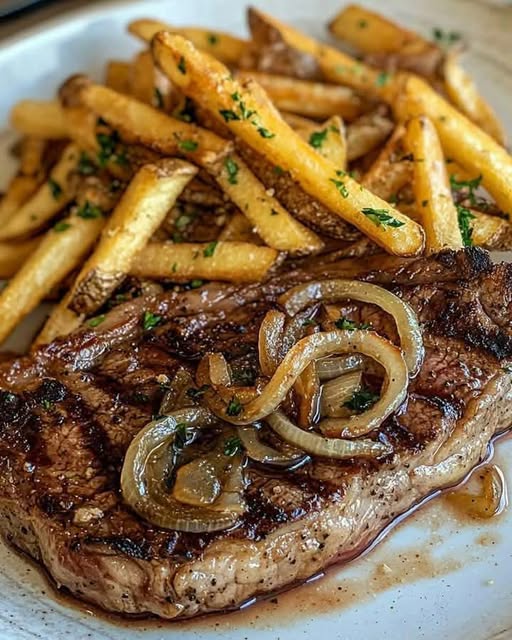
(270, 341)
(317, 445)
(260, 452)
(146, 466)
(307, 350)
(307, 388)
(176, 396)
(329, 368)
(338, 391)
(407, 324)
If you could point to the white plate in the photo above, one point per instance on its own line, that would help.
(434, 577)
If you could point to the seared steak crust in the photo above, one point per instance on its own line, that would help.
(69, 411)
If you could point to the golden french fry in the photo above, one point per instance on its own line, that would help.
(61, 250)
(142, 78)
(391, 170)
(312, 99)
(370, 32)
(208, 82)
(239, 229)
(490, 232)
(32, 154)
(20, 189)
(367, 133)
(139, 213)
(297, 122)
(228, 261)
(329, 139)
(117, 75)
(142, 124)
(39, 118)
(464, 95)
(333, 65)
(14, 254)
(431, 186)
(49, 199)
(224, 46)
(462, 140)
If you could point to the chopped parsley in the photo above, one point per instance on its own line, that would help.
(89, 211)
(362, 24)
(244, 113)
(424, 203)
(183, 220)
(196, 394)
(47, 404)
(381, 217)
(182, 435)
(350, 325)
(158, 98)
(265, 133)
(209, 250)
(382, 79)
(55, 188)
(278, 170)
(339, 184)
(188, 145)
(466, 230)
(310, 322)
(232, 446)
(212, 38)
(150, 320)
(187, 113)
(174, 267)
(470, 185)
(232, 170)
(195, 284)
(234, 407)
(182, 67)
(245, 376)
(86, 166)
(445, 38)
(273, 212)
(228, 115)
(95, 322)
(317, 138)
(361, 400)
(109, 149)
(59, 227)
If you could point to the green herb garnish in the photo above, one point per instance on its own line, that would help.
(232, 170)
(59, 227)
(195, 284)
(232, 446)
(85, 166)
(465, 216)
(361, 400)
(55, 188)
(339, 184)
(245, 376)
(212, 38)
(382, 218)
(47, 404)
(445, 38)
(188, 145)
(183, 220)
(470, 185)
(265, 133)
(234, 407)
(273, 212)
(209, 250)
(150, 320)
(109, 149)
(95, 322)
(196, 394)
(382, 79)
(182, 67)
(182, 435)
(228, 115)
(89, 211)
(278, 170)
(350, 325)
(317, 138)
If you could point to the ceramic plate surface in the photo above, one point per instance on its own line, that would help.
(437, 575)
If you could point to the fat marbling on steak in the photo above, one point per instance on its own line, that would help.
(69, 411)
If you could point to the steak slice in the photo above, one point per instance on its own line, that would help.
(69, 411)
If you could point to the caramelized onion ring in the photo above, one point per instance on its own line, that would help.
(145, 468)
(329, 291)
(308, 350)
(260, 452)
(316, 444)
(329, 368)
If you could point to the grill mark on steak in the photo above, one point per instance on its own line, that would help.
(60, 465)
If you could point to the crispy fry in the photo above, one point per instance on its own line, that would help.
(20, 189)
(150, 127)
(391, 170)
(50, 198)
(297, 122)
(229, 261)
(61, 250)
(329, 139)
(14, 254)
(42, 119)
(465, 96)
(141, 210)
(333, 65)
(208, 82)
(239, 229)
(31, 158)
(432, 188)
(223, 46)
(142, 78)
(366, 133)
(370, 32)
(312, 99)
(117, 75)
(462, 140)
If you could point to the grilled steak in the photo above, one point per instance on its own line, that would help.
(69, 411)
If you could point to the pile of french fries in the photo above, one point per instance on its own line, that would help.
(210, 157)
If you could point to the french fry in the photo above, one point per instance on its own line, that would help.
(145, 125)
(42, 119)
(370, 32)
(20, 189)
(329, 139)
(462, 140)
(391, 170)
(117, 75)
(61, 250)
(490, 232)
(297, 122)
(465, 96)
(228, 261)
(208, 82)
(366, 133)
(333, 65)
(239, 229)
(139, 213)
(49, 199)
(14, 254)
(205, 195)
(32, 153)
(311, 99)
(431, 186)
(223, 46)
(142, 78)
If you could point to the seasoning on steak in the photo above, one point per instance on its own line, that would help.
(69, 411)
